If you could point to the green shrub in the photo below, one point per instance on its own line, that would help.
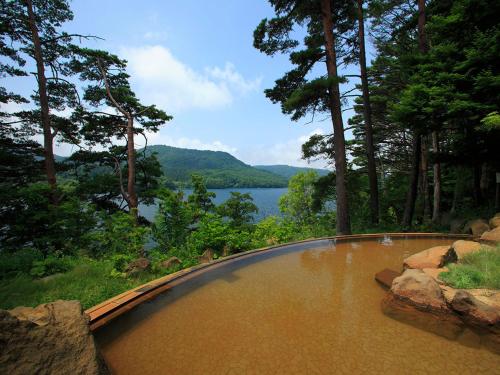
(18, 262)
(212, 233)
(50, 266)
(118, 234)
(273, 230)
(172, 221)
(30, 219)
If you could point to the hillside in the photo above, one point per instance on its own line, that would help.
(288, 171)
(220, 169)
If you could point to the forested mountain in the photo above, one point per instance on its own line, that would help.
(220, 169)
(288, 171)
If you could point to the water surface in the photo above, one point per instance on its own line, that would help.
(304, 309)
(266, 200)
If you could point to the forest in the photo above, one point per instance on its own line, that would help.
(423, 154)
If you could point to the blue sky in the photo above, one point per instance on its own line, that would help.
(195, 60)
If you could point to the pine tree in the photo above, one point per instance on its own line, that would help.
(328, 40)
(109, 86)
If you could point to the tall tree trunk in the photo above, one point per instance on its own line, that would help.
(132, 195)
(412, 191)
(423, 47)
(343, 220)
(370, 152)
(436, 209)
(424, 168)
(422, 35)
(417, 141)
(49, 162)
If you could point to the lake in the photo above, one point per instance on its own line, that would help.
(266, 199)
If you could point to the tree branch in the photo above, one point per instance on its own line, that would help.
(108, 91)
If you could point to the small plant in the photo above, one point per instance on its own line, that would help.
(480, 269)
(49, 266)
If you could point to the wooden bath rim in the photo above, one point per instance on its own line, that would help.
(108, 310)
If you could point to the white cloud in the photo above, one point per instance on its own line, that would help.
(161, 79)
(288, 152)
(233, 78)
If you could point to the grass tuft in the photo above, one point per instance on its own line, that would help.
(480, 269)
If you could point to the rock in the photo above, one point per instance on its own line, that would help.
(170, 262)
(463, 248)
(490, 297)
(492, 236)
(435, 257)
(416, 298)
(448, 292)
(137, 266)
(386, 277)
(495, 221)
(53, 338)
(434, 273)
(476, 227)
(474, 311)
(207, 256)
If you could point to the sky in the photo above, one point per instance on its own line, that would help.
(195, 60)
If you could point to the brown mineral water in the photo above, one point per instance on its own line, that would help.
(310, 308)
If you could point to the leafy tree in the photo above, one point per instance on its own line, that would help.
(118, 234)
(109, 86)
(31, 30)
(367, 116)
(239, 209)
(328, 40)
(297, 203)
(212, 233)
(30, 219)
(98, 178)
(201, 199)
(173, 219)
(273, 230)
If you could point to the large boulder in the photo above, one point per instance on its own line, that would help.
(482, 315)
(416, 298)
(463, 247)
(495, 221)
(137, 266)
(474, 311)
(476, 227)
(53, 338)
(435, 257)
(492, 236)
